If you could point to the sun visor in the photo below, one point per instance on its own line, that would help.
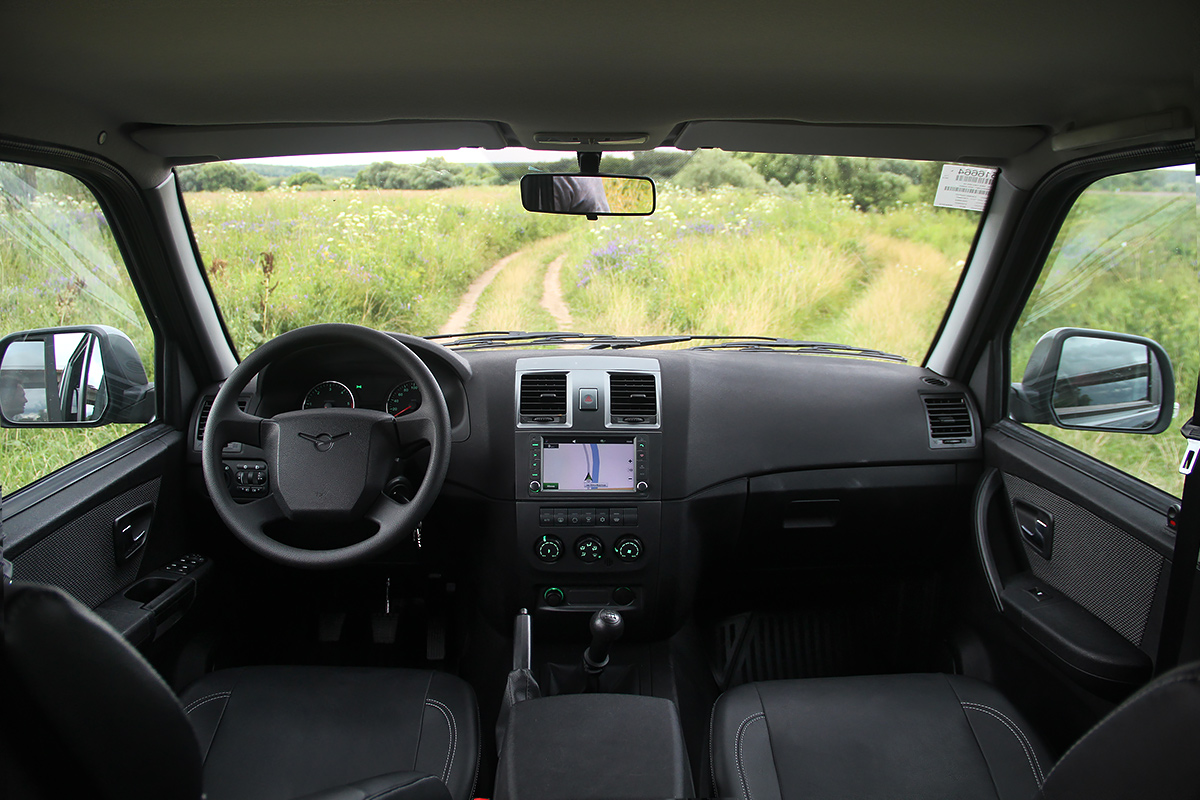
(194, 143)
(922, 142)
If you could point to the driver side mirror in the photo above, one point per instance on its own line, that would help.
(75, 377)
(1096, 380)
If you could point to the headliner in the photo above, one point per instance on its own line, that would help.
(71, 69)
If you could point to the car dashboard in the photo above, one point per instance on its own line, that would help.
(581, 479)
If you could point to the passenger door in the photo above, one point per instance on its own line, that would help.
(1071, 517)
(91, 470)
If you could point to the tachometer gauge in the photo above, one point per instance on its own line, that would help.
(404, 399)
(329, 394)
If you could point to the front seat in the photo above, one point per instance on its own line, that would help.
(87, 716)
(944, 736)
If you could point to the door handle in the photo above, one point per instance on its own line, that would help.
(1036, 526)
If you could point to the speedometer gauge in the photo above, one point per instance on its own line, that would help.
(404, 399)
(329, 394)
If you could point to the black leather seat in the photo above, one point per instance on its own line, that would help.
(943, 736)
(116, 730)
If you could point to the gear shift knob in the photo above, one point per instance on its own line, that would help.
(607, 625)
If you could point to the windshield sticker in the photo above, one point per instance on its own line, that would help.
(964, 187)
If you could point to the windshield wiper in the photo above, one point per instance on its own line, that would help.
(482, 340)
(769, 343)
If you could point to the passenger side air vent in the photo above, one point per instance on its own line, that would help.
(632, 398)
(950, 423)
(206, 409)
(543, 398)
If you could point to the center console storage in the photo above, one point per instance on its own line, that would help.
(593, 747)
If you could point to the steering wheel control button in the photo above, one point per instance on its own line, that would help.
(589, 400)
(628, 548)
(589, 549)
(553, 596)
(247, 479)
(623, 596)
(549, 548)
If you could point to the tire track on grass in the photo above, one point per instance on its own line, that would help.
(552, 296)
(466, 307)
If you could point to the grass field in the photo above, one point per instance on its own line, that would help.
(727, 261)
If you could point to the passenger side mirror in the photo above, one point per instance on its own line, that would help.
(588, 195)
(77, 377)
(1096, 380)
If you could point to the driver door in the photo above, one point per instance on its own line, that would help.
(91, 473)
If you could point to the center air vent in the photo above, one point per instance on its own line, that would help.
(544, 398)
(632, 398)
(949, 421)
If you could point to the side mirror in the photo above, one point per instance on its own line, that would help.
(78, 377)
(1098, 381)
(588, 195)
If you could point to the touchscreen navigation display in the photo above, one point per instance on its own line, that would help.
(588, 467)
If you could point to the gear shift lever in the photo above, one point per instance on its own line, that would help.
(607, 626)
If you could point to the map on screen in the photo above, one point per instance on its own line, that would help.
(588, 466)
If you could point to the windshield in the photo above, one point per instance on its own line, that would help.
(829, 249)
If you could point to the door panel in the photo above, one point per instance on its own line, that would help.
(1093, 607)
(62, 531)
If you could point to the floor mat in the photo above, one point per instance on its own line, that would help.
(888, 632)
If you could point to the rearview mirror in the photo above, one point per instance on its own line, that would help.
(77, 377)
(1096, 380)
(588, 195)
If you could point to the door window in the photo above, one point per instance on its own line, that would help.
(1124, 261)
(61, 268)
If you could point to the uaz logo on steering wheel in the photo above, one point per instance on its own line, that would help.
(323, 441)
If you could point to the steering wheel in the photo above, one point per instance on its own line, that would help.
(327, 465)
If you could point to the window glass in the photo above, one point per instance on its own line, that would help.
(1125, 261)
(845, 250)
(59, 267)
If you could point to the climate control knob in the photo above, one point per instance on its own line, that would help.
(589, 548)
(549, 548)
(628, 548)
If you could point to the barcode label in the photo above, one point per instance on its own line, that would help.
(964, 187)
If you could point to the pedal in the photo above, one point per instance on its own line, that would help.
(330, 626)
(383, 628)
(435, 638)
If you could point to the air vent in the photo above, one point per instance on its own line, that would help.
(205, 409)
(544, 398)
(936, 381)
(949, 421)
(632, 398)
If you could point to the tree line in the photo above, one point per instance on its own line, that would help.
(870, 183)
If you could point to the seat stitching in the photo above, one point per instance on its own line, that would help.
(478, 752)
(449, 715)
(737, 749)
(192, 706)
(393, 789)
(1026, 745)
(1146, 692)
(712, 766)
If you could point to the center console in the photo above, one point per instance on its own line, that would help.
(588, 477)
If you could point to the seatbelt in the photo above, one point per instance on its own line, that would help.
(1187, 550)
